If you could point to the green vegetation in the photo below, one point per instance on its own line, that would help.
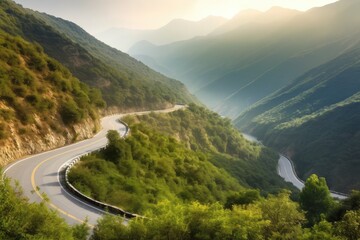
(204, 131)
(315, 121)
(22, 220)
(37, 90)
(274, 217)
(123, 81)
(315, 199)
(182, 156)
(148, 167)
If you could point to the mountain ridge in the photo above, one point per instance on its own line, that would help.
(314, 121)
(256, 53)
(175, 30)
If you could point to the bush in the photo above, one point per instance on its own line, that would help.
(70, 113)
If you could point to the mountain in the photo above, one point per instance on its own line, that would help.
(315, 121)
(125, 82)
(42, 105)
(275, 14)
(231, 71)
(176, 30)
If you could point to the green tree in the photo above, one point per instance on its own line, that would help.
(349, 227)
(320, 231)
(110, 228)
(315, 199)
(284, 215)
(243, 198)
(70, 113)
(81, 231)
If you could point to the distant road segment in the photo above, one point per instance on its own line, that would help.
(286, 170)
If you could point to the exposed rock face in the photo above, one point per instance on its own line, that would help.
(32, 139)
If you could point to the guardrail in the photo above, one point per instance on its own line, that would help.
(64, 180)
(297, 177)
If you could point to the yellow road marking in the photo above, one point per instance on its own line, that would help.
(35, 188)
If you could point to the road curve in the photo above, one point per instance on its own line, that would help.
(286, 170)
(39, 174)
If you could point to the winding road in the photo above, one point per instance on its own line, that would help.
(286, 170)
(38, 175)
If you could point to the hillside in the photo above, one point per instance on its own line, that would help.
(124, 82)
(232, 70)
(176, 30)
(41, 104)
(188, 155)
(315, 120)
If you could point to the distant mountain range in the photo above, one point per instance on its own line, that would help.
(176, 30)
(232, 70)
(292, 82)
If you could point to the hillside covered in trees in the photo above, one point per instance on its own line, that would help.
(125, 82)
(315, 121)
(40, 97)
(184, 156)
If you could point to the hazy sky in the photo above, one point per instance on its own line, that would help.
(98, 15)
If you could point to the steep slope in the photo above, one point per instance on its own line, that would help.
(231, 71)
(42, 105)
(176, 30)
(124, 81)
(315, 120)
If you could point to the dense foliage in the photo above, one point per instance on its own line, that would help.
(152, 164)
(315, 120)
(274, 217)
(315, 199)
(124, 82)
(21, 220)
(202, 130)
(148, 167)
(37, 90)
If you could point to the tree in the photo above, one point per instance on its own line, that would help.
(284, 216)
(320, 231)
(315, 199)
(243, 198)
(349, 227)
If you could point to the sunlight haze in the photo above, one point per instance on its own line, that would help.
(145, 14)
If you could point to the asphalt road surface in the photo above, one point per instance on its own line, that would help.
(38, 175)
(286, 170)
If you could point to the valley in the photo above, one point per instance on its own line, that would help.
(152, 140)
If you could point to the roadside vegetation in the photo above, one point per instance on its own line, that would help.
(21, 220)
(250, 217)
(189, 155)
